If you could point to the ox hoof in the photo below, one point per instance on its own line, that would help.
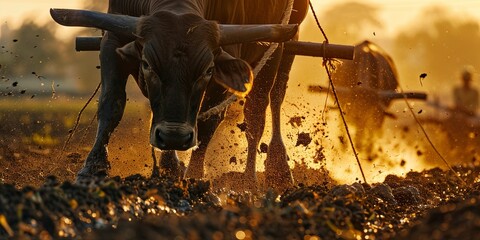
(277, 171)
(279, 181)
(86, 175)
(194, 172)
(175, 172)
(155, 172)
(277, 175)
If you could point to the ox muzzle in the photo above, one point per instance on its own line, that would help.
(173, 136)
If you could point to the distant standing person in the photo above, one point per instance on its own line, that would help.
(466, 97)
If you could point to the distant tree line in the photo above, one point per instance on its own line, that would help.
(439, 42)
(32, 51)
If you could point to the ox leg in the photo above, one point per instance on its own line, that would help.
(196, 168)
(277, 171)
(206, 129)
(255, 107)
(170, 165)
(110, 108)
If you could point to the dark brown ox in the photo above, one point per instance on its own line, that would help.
(174, 48)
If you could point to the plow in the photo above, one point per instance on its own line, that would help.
(382, 95)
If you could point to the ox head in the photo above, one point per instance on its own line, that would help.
(177, 57)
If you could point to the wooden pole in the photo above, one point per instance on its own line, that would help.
(291, 47)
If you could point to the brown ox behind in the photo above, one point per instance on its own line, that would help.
(361, 83)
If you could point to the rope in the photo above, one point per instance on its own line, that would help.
(75, 127)
(266, 56)
(77, 121)
(318, 23)
(85, 131)
(329, 65)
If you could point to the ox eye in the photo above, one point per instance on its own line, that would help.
(145, 64)
(209, 71)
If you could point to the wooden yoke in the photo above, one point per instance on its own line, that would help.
(291, 47)
(87, 43)
(313, 49)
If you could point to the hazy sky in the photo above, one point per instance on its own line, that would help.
(393, 13)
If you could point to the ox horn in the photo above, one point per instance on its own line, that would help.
(82, 18)
(232, 34)
(229, 34)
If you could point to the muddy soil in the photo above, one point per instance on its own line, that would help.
(432, 204)
(39, 201)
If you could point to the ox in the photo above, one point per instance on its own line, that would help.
(183, 58)
(366, 87)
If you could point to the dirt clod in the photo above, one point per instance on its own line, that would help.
(303, 139)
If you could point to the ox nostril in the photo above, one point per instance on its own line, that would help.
(188, 140)
(159, 138)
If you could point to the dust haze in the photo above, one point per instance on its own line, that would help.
(437, 42)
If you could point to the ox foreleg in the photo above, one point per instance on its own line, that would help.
(110, 108)
(206, 129)
(277, 171)
(255, 108)
(170, 165)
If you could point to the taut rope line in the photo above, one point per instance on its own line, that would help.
(328, 64)
(77, 121)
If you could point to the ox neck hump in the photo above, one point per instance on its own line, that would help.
(179, 7)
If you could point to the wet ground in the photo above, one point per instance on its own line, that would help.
(38, 200)
(432, 204)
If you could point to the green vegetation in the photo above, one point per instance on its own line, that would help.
(45, 122)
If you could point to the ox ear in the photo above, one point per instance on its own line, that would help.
(131, 51)
(233, 73)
